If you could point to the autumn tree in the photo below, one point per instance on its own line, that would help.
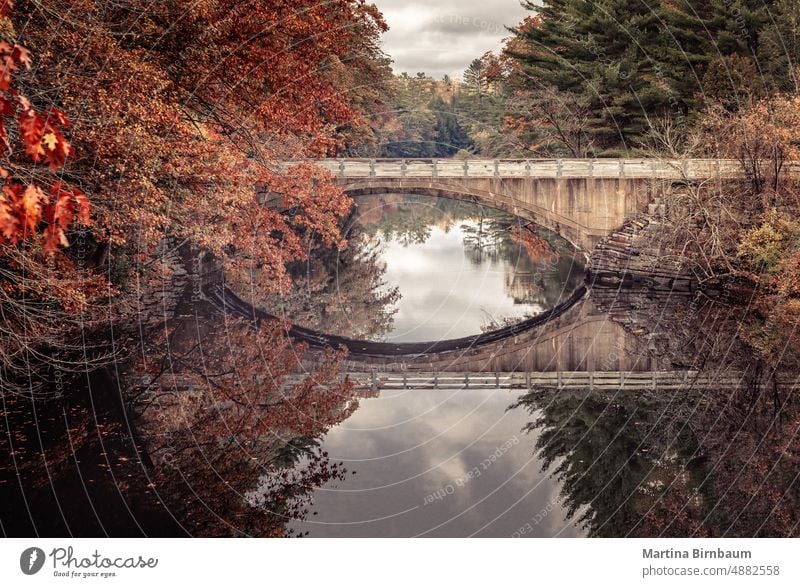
(732, 82)
(45, 292)
(216, 120)
(762, 137)
(342, 292)
(179, 111)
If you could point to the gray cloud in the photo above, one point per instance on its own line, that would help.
(443, 37)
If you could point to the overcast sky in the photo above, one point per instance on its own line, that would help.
(442, 36)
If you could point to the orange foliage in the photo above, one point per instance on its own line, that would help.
(185, 107)
(228, 429)
(26, 210)
(178, 110)
(235, 386)
(763, 137)
(538, 249)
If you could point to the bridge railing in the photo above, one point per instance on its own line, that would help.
(556, 380)
(537, 168)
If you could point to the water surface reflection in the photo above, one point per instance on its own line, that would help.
(688, 462)
(214, 444)
(420, 269)
(438, 463)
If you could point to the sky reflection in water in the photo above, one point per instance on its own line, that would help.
(460, 270)
(407, 447)
(444, 294)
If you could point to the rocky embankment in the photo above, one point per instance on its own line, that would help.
(635, 255)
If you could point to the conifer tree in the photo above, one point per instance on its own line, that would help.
(635, 61)
(779, 47)
(450, 135)
(606, 50)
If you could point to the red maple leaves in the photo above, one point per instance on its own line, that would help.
(28, 212)
(41, 134)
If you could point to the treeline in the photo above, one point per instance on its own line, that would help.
(601, 77)
(583, 78)
(425, 117)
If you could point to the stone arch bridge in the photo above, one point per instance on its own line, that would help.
(583, 200)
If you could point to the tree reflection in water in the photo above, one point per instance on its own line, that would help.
(337, 291)
(233, 441)
(539, 274)
(695, 463)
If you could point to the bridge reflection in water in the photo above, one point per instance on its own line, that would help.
(561, 380)
(604, 339)
(607, 341)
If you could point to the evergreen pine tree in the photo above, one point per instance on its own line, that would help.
(450, 135)
(779, 47)
(607, 51)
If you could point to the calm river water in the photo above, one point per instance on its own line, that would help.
(438, 463)
(421, 269)
(172, 460)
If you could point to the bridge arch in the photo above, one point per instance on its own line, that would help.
(581, 210)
